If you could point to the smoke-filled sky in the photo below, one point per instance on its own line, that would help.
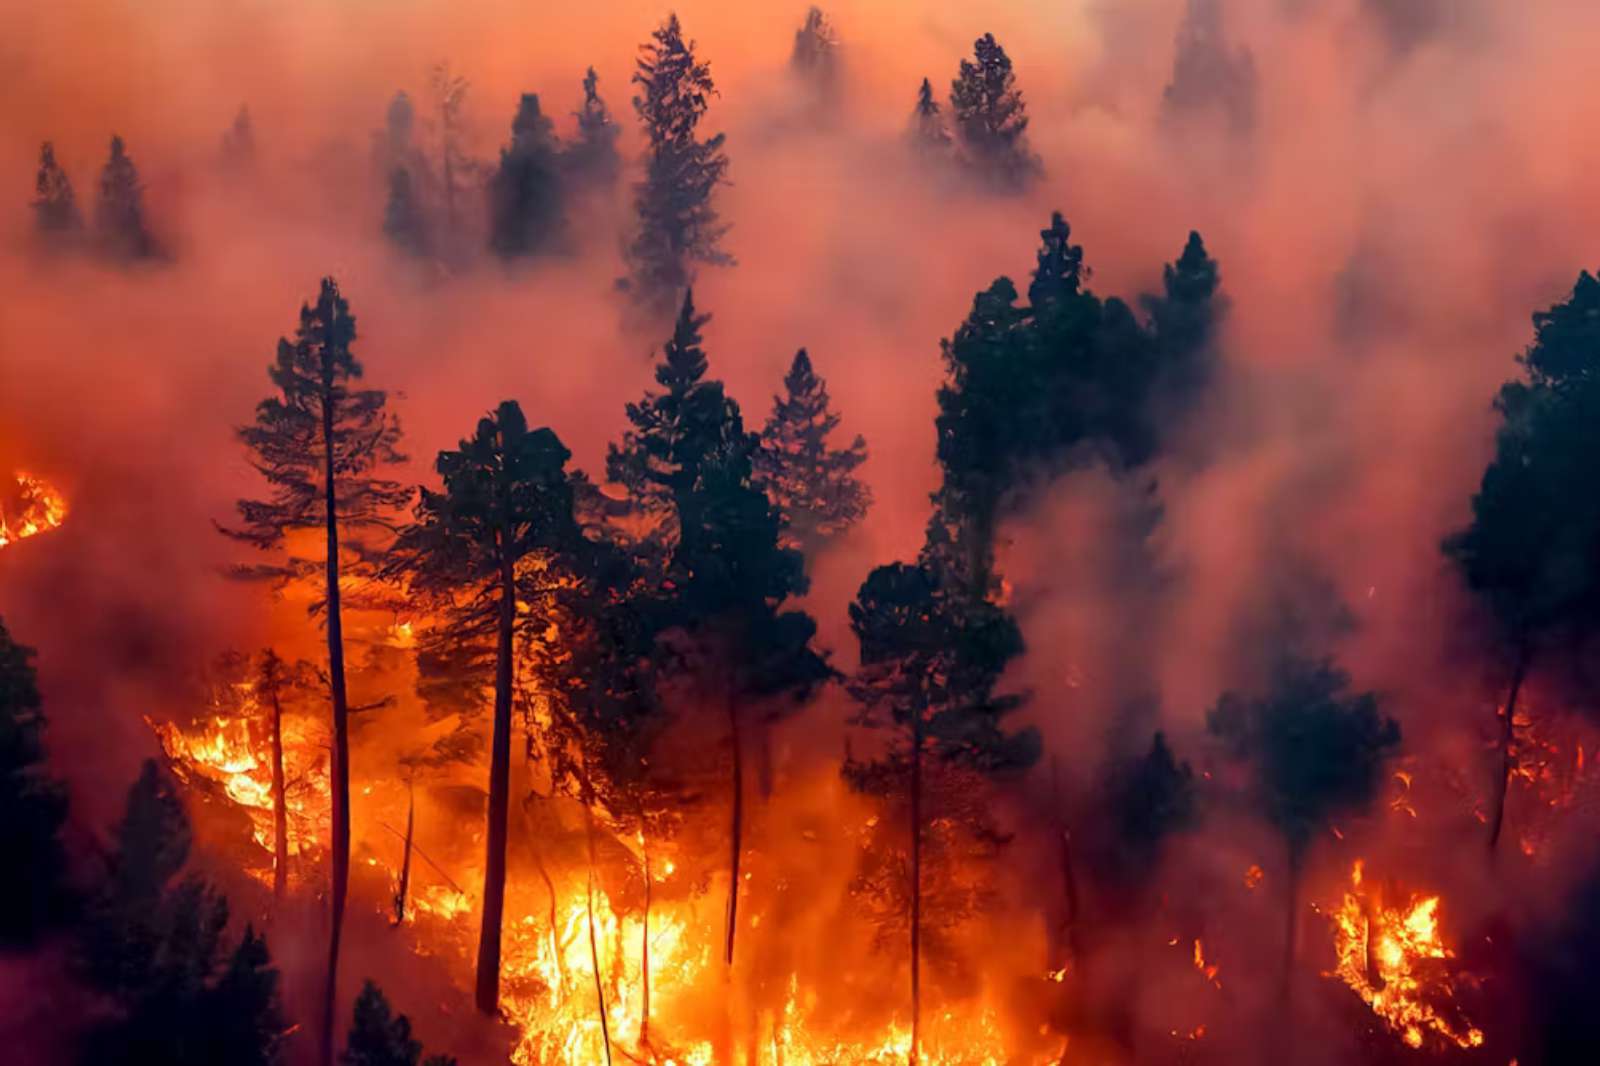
(1419, 180)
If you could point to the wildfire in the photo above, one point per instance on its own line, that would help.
(33, 507)
(1394, 958)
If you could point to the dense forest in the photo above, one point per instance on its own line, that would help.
(885, 535)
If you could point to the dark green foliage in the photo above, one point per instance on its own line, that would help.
(812, 484)
(156, 949)
(927, 131)
(591, 160)
(1185, 319)
(379, 1037)
(990, 119)
(55, 208)
(33, 807)
(119, 221)
(526, 213)
(239, 142)
(1207, 75)
(678, 225)
(404, 222)
(1315, 749)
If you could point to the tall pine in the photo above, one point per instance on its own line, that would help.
(55, 208)
(1208, 75)
(119, 220)
(526, 215)
(991, 121)
(33, 806)
(927, 132)
(591, 159)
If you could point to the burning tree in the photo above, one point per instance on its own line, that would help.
(812, 484)
(931, 656)
(1529, 553)
(33, 806)
(991, 121)
(526, 216)
(1315, 749)
(317, 444)
(506, 502)
(678, 225)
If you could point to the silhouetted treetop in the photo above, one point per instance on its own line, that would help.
(990, 119)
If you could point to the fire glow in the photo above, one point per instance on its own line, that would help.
(33, 507)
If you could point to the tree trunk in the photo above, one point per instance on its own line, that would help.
(405, 858)
(1071, 924)
(280, 812)
(736, 829)
(1508, 758)
(644, 945)
(340, 762)
(1292, 919)
(916, 887)
(494, 864)
(594, 946)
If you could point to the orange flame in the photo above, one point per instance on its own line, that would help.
(35, 508)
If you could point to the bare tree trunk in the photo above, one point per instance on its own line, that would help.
(405, 858)
(272, 678)
(340, 762)
(644, 944)
(1508, 758)
(916, 887)
(736, 829)
(494, 865)
(594, 946)
(1071, 924)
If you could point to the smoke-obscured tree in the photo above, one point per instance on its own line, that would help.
(927, 132)
(813, 485)
(33, 806)
(156, 949)
(1207, 74)
(455, 169)
(55, 208)
(119, 212)
(380, 1037)
(526, 212)
(689, 458)
(1530, 553)
(395, 144)
(931, 658)
(239, 142)
(590, 160)
(1185, 319)
(991, 121)
(506, 497)
(678, 226)
(404, 221)
(815, 58)
(317, 443)
(1150, 797)
(1315, 751)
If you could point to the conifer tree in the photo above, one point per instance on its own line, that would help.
(239, 142)
(526, 215)
(33, 806)
(927, 132)
(1529, 553)
(1315, 751)
(404, 221)
(395, 145)
(55, 208)
(449, 101)
(815, 58)
(1152, 796)
(1185, 320)
(991, 122)
(591, 160)
(1207, 75)
(506, 497)
(931, 657)
(119, 213)
(812, 484)
(317, 444)
(678, 226)
(379, 1037)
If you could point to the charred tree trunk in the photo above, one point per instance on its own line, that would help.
(1508, 757)
(1071, 921)
(280, 812)
(736, 829)
(405, 858)
(594, 945)
(494, 865)
(916, 887)
(340, 762)
(644, 945)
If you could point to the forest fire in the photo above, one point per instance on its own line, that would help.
(30, 507)
(1394, 957)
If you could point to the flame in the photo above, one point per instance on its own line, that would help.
(35, 507)
(1395, 959)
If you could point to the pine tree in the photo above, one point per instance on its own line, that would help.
(678, 226)
(1315, 751)
(239, 142)
(815, 58)
(317, 444)
(813, 485)
(1206, 74)
(1185, 320)
(55, 209)
(404, 221)
(119, 213)
(1528, 554)
(379, 1037)
(395, 145)
(1151, 797)
(931, 657)
(591, 161)
(927, 132)
(33, 806)
(526, 215)
(506, 497)
(991, 122)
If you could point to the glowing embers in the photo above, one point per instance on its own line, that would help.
(1395, 959)
(28, 508)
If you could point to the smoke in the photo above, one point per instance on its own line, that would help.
(1412, 189)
